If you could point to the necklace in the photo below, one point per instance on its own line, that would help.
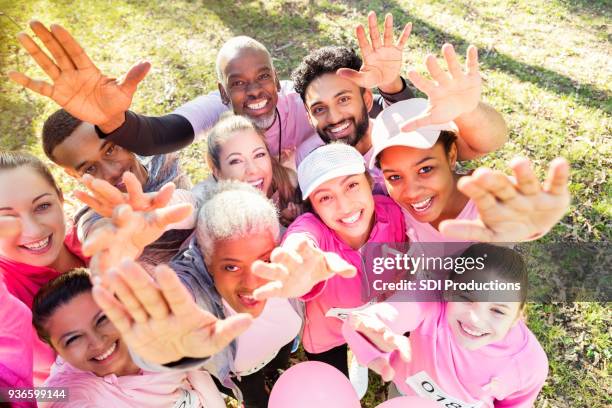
(280, 133)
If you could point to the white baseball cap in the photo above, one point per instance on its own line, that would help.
(328, 162)
(386, 131)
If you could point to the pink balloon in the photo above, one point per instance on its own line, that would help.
(313, 384)
(409, 402)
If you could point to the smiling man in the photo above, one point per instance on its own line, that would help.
(74, 145)
(247, 83)
(337, 105)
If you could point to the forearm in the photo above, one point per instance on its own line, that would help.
(481, 131)
(151, 135)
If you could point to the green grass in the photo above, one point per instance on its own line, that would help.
(546, 66)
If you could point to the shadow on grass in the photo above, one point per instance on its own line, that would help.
(589, 7)
(288, 31)
(583, 94)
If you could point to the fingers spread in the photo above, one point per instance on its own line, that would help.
(558, 177)
(401, 42)
(40, 87)
(145, 289)
(39, 56)
(451, 61)
(388, 32)
(424, 85)
(113, 309)
(134, 76)
(174, 213)
(436, 72)
(496, 183)
(75, 52)
(364, 44)
(126, 296)
(472, 60)
(526, 180)
(228, 329)
(374, 33)
(483, 199)
(177, 297)
(61, 58)
(163, 196)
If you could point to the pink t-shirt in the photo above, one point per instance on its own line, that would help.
(15, 353)
(444, 371)
(23, 282)
(292, 128)
(191, 389)
(425, 232)
(323, 333)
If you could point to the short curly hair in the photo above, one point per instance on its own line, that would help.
(56, 129)
(320, 62)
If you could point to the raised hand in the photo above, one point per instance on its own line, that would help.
(382, 60)
(77, 84)
(9, 226)
(158, 318)
(105, 197)
(451, 93)
(512, 210)
(127, 233)
(293, 273)
(370, 324)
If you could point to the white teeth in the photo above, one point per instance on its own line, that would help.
(257, 183)
(341, 127)
(472, 332)
(352, 219)
(38, 244)
(421, 205)
(107, 353)
(248, 298)
(259, 105)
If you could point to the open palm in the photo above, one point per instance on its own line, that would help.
(512, 211)
(451, 93)
(382, 60)
(77, 84)
(159, 319)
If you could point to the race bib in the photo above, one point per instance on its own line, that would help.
(425, 387)
(188, 399)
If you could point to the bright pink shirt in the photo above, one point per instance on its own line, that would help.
(15, 356)
(441, 368)
(23, 282)
(323, 333)
(424, 232)
(154, 390)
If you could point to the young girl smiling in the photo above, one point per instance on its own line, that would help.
(467, 352)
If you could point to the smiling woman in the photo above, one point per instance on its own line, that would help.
(95, 363)
(40, 249)
(237, 151)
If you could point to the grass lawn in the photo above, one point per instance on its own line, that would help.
(547, 67)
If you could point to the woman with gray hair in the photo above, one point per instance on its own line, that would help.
(237, 226)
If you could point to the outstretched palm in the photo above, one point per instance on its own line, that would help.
(158, 319)
(78, 85)
(512, 211)
(382, 61)
(451, 94)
